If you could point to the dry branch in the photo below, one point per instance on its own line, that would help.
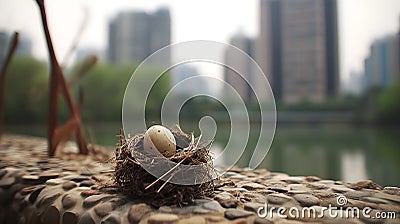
(57, 81)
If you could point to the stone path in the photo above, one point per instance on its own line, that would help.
(36, 189)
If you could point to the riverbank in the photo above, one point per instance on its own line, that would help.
(68, 189)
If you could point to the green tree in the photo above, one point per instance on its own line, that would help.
(388, 106)
(26, 91)
(103, 88)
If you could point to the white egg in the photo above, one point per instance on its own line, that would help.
(160, 138)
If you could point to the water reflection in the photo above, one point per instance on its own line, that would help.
(333, 152)
(353, 166)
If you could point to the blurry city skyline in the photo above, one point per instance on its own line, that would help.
(360, 23)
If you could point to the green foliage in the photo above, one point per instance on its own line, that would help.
(26, 97)
(26, 91)
(380, 105)
(388, 106)
(103, 88)
(156, 96)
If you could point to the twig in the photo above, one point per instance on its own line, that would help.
(87, 65)
(91, 136)
(56, 81)
(78, 36)
(133, 161)
(165, 174)
(3, 72)
(165, 183)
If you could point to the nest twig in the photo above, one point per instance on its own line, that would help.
(135, 181)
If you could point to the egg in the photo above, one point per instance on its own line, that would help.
(160, 138)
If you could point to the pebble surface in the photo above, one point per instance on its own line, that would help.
(67, 189)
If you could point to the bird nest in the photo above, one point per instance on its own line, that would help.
(161, 180)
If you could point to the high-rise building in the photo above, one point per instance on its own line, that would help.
(231, 76)
(298, 48)
(183, 72)
(160, 33)
(133, 36)
(382, 66)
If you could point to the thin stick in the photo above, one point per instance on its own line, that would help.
(133, 161)
(91, 136)
(77, 37)
(83, 70)
(4, 68)
(198, 141)
(165, 183)
(56, 81)
(165, 174)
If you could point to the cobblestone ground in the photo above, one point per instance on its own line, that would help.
(66, 189)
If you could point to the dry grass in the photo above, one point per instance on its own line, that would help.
(134, 181)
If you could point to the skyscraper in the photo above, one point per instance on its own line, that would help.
(160, 33)
(187, 71)
(234, 79)
(133, 36)
(298, 48)
(382, 66)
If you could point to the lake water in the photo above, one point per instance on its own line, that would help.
(339, 152)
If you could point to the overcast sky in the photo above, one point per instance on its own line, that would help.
(360, 22)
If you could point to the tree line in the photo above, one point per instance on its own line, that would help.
(103, 87)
